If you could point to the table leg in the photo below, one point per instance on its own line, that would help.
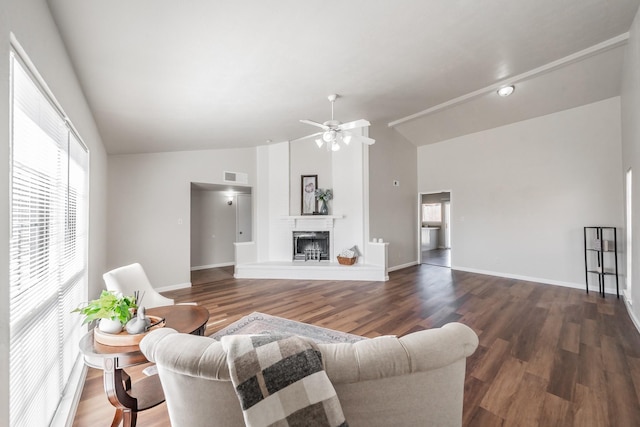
(126, 379)
(129, 419)
(117, 418)
(116, 382)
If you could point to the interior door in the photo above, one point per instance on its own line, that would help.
(243, 219)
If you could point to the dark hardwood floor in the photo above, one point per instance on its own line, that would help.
(441, 257)
(548, 355)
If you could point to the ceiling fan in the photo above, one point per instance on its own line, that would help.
(334, 132)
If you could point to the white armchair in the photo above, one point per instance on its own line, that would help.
(131, 278)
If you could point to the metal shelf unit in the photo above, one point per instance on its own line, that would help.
(598, 248)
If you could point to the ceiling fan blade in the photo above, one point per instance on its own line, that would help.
(355, 124)
(306, 137)
(312, 123)
(347, 137)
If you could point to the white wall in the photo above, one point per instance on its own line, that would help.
(393, 211)
(307, 159)
(272, 203)
(150, 202)
(34, 29)
(349, 173)
(631, 148)
(522, 193)
(213, 228)
(348, 169)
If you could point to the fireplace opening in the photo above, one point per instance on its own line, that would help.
(310, 245)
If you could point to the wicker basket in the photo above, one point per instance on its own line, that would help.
(347, 261)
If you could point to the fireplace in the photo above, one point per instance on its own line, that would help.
(311, 246)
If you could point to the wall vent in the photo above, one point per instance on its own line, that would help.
(235, 177)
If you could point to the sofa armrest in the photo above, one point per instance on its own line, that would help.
(388, 356)
(191, 355)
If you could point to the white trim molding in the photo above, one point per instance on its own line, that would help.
(610, 291)
(402, 266)
(629, 304)
(204, 267)
(174, 287)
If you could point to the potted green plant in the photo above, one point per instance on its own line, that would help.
(112, 309)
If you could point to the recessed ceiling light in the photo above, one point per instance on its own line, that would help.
(506, 91)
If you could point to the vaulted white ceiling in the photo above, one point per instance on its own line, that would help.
(164, 75)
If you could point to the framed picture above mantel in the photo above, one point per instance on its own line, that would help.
(308, 201)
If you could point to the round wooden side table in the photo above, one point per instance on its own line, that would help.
(128, 398)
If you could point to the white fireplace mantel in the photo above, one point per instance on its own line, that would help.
(269, 257)
(316, 222)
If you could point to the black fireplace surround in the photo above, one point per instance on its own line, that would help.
(310, 245)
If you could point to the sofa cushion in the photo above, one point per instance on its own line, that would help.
(280, 380)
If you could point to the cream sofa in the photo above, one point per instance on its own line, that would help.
(415, 380)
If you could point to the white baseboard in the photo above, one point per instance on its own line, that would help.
(204, 267)
(174, 287)
(629, 304)
(401, 266)
(534, 279)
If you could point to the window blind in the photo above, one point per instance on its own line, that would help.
(48, 251)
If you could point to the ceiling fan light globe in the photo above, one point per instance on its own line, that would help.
(335, 146)
(329, 136)
(319, 142)
(346, 139)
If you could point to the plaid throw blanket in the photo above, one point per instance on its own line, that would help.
(280, 382)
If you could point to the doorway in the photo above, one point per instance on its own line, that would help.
(435, 228)
(221, 215)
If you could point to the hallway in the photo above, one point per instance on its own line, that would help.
(439, 257)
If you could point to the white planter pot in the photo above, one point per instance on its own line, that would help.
(110, 326)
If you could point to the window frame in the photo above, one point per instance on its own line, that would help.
(430, 208)
(63, 237)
